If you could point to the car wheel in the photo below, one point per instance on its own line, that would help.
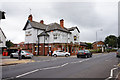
(117, 56)
(66, 55)
(90, 55)
(11, 56)
(55, 55)
(85, 56)
(78, 56)
(23, 57)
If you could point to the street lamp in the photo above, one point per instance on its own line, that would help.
(38, 44)
(96, 33)
(96, 36)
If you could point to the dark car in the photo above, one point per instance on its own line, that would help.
(84, 53)
(118, 53)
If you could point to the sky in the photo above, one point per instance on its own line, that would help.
(90, 16)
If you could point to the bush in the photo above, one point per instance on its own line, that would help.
(111, 50)
(95, 51)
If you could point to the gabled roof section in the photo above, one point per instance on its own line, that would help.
(36, 25)
(2, 15)
(97, 42)
(73, 28)
(2, 32)
(49, 27)
(56, 26)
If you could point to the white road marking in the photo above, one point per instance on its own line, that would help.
(27, 73)
(64, 64)
(41, 70)
(52, 67)
(111, 73)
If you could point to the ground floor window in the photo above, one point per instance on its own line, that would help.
(72, 49)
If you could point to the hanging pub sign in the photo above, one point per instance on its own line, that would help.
(75, 38)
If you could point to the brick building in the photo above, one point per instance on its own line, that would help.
(98, 45)
(49, 37)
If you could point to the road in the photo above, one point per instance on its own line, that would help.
(99, 66)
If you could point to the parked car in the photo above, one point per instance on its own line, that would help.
(60, 53)
(84, 53)
(118, 53)
(24, 54)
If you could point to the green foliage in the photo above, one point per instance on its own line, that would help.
(118, 41)
(111, 41)
(9, 44)
(89, 45)
(96, 51)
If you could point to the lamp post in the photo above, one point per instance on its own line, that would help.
(38, 45)
(96, 36)
(96, 33)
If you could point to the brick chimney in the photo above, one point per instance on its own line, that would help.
(42, 22)
(30, 17)
(62, 23)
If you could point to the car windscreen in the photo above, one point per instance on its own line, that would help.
(59, 51)
(118, 50)
(26, 52)
(86, 51)
(81, 51)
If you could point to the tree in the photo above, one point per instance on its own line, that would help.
(111, 41)
(9, 44)
(118, 41)
(89, 45)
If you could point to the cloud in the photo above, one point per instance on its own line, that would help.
(88, 16)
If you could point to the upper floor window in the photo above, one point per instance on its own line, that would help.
(75, 38)
(56, 36)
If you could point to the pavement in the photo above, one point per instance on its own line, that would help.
(6, 60)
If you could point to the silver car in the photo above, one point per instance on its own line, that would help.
(24, 54)
(60, 53)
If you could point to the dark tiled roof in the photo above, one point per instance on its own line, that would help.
(83, 44)
(2, 15)
(50, 27)
(2, 32)
(73, 28)
(43, 34)
(38, 25)
(56, 26)
(97, 42)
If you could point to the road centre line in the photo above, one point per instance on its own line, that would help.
(27, 73)
(30, 72)
(41, 70)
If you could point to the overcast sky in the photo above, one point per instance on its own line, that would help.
(88, 16)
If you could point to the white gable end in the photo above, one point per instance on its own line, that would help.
(28, 26)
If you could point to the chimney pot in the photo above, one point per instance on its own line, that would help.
(42, 22)
(62, 23)
(30, 17)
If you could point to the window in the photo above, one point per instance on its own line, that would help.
(75, 38)
(46, 38)
(56, 35)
